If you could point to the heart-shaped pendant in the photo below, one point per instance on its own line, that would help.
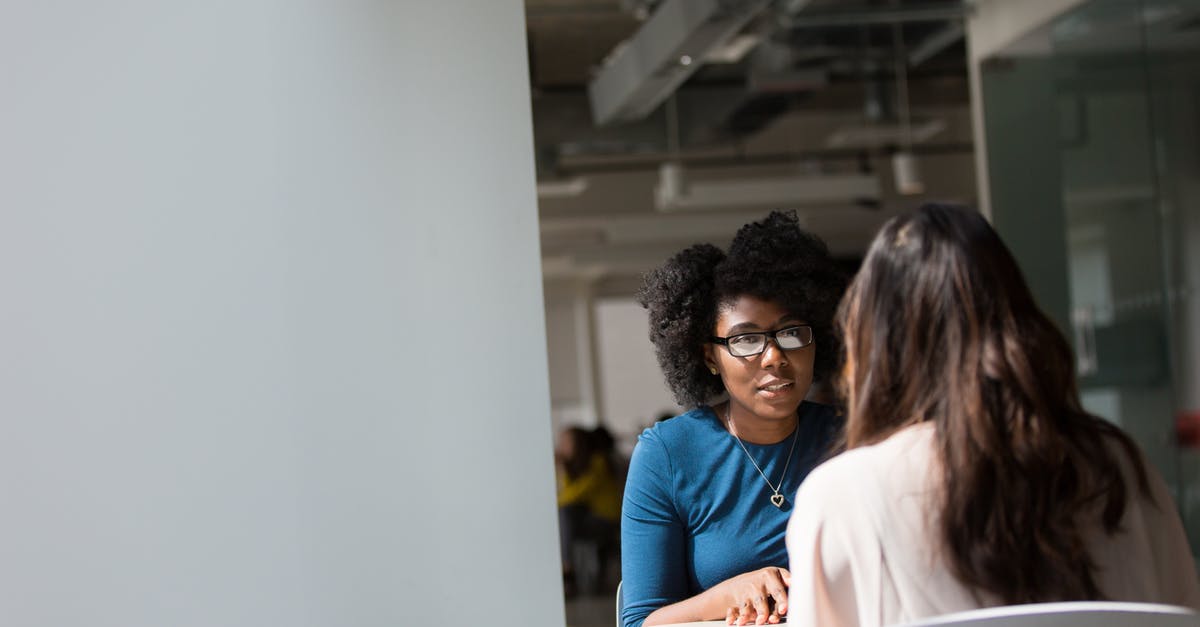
(777, 500)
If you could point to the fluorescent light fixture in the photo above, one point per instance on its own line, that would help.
(675, 193)
(566, 188)
(874, 135)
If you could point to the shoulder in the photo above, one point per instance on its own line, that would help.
(683, 429)
(898, 464)
(863, 499)
(665, 455)
(1135, 466)
(678, 444)
(831, 480)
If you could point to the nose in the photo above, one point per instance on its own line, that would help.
(772, 355)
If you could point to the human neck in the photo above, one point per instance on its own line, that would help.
(755, 429)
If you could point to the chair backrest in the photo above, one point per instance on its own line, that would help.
(1090, 613)
(620, 604)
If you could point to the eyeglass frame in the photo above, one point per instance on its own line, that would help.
(767, 335)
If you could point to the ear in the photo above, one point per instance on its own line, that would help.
(710, 359)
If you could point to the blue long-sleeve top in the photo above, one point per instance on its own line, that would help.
(696, 512)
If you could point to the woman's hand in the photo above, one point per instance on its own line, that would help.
(758, 597)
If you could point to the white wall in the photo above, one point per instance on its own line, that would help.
(616, 380)
(632, 384)
(561, 334)
(571, 354)
(271, 321)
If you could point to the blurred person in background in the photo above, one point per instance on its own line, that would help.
(589, 495)
(740, 338)
(973, 476)
(606, 445)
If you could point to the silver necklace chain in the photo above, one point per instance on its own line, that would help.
(776, 497)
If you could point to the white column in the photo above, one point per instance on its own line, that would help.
(588, 363)
(271, 331)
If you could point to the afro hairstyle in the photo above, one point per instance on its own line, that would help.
(772, 260)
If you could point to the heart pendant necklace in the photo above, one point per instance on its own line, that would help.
(776, 497)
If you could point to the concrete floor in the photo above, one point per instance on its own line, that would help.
(592, 611)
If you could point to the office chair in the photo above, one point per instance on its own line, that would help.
(1072, 614)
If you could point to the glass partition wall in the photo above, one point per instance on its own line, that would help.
(1092, 128)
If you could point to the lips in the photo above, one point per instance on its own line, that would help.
(775, 387)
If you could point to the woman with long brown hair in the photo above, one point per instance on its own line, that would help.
(973, 476)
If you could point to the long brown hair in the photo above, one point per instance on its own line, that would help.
(940, 326)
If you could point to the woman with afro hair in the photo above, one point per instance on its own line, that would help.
(740, 337)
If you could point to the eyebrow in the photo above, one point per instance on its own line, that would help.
(750, 327)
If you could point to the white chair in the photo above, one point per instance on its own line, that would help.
(620, 604)
(1074, 614)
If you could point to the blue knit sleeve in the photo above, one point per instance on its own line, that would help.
(652, 535)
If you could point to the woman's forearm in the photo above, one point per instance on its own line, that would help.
(708, 605)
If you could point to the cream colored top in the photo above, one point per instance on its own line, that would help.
(862, 550)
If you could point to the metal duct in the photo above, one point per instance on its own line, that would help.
(663, 53)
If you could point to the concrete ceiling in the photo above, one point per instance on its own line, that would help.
(568, 38)
(610, 232)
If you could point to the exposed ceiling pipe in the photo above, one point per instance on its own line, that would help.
(905, 172)
(667, 49)
(859, 16)
(941, 39)
(652, 163)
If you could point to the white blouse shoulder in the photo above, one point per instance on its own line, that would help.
(864, 550)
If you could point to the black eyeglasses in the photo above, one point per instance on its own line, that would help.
(751, 344)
